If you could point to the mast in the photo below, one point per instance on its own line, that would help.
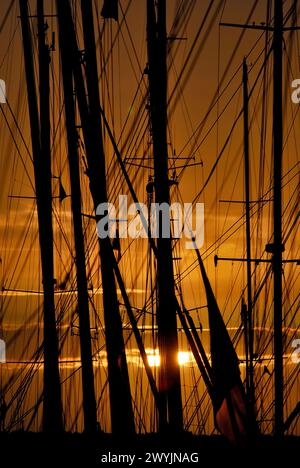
(248, 312)
(169, 373)
(122, 418)
(277, 214)
(88, 389)
(277, 248)
(40, 136)
(120, 395)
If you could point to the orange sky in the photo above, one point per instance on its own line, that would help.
(20, 257)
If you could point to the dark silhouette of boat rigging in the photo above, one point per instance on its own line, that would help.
(124, 352)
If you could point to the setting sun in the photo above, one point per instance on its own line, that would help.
(184, 357)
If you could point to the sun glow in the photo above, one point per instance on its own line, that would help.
(153, 356)
(183, 358)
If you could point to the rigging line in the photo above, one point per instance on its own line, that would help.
(58, 127)
(27, 370)
(56, 85)
(22, 241)
(180, 23)
(200, 48)
(33, 369)
(10, 44)
(226, 171)
(227, 139)
(131, 107)
(20, 397)
(23, 326)
(187, 117)
(262, 351)
(80, 367)
(193, 265)
(237, 275)
(266, 82)
(214, 101)
(7, 240)
(131, 41)
(291, 12)
(294, 224)
(291, 305)
(174, 32)
(141, 128)
(17, 148)
(204, 397)
(35, 359)
(132, 130)
(138, 174)
(62, 382)
(214, 123)
(33, 241)
(217, 207)
(64, 234)
(135, 140)
(294, 210)
(18, 128)
(268, 342)
(183, 12)
(296, 332)
(253, 213)
(5, 18)
(138, 113)
(292, 283)
(221, 114)
(194, 43)
(237, 173)
(113, 164)
(35, 412)
(100, 35)
(106, 81)
(119, 87)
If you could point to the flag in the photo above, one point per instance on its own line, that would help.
(110, 10)
(233, 415)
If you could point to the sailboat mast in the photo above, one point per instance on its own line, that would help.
(249, 318)
(119, 386)
(88, 389)
(277, 214)
(169, 372)
(277, 248)
(122, 418)
(40, 136)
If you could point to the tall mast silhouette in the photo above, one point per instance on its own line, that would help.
(277, 247)
(169, 372)
(88, 389)
(40, 137)
(122, 419)
(249, 316)
(277, 213)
